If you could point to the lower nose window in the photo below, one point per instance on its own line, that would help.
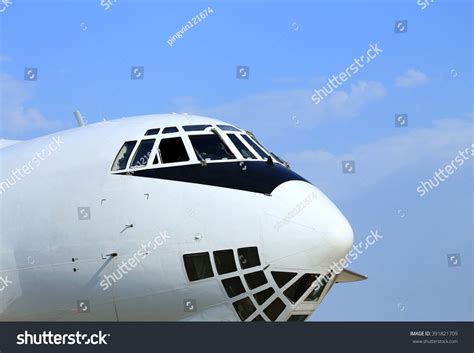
(274, 309)
(297, 317)
(233, 286)
(244, 308)
(282, 278)
(262, 297)
(316, 293)
(224, 260)
(255, 279)
(198, 266)
(297, 289)
(248, 257)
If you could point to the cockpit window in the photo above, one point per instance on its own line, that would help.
(172, 150)
(143, 154)
(244, 151)
(227, 128)
(195, 127)
(170, 129)
(256, 147)
(152, 132)
(123, 155)
(210, 147)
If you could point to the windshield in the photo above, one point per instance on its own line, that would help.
(210, 147)
(256, 147)
(244, 151)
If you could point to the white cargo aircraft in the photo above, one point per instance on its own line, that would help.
(162, 217)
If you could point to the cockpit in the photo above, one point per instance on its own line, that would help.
(208, 154)
(191, 144)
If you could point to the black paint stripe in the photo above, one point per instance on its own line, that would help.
(254, 176)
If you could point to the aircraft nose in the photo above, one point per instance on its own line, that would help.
(307, 229)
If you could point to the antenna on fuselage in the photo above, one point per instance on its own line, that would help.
(79, 118)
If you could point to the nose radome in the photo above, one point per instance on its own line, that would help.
(314, 230)
(340, 232)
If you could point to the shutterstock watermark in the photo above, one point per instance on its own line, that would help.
(333, 82)
(193, 21)
(107, 4)
(423, 4)
(133, 261)
(49, 338)
(4, 283)
(4, 4)
(26, 169)
(443, 174)
(296, 210)
(357, 249)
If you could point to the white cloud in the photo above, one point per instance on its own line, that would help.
(275, 109)
(15, 115)
(411, 78)
(4, 58)
(384, 158)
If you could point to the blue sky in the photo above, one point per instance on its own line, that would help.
(84, 56)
